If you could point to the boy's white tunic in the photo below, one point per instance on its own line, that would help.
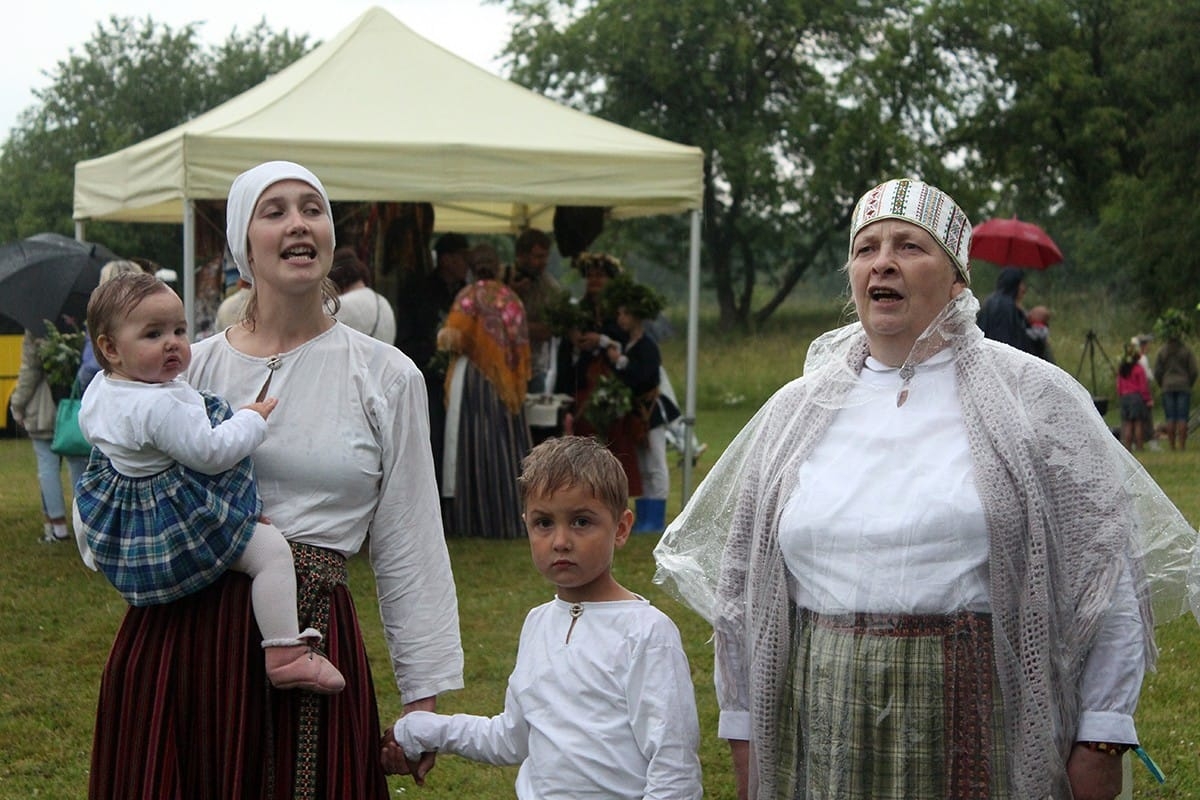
(608, 714)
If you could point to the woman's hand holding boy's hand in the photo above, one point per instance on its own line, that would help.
(396, 762)
(394, 758)
(392, 755)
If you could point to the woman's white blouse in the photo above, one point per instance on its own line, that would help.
(885, 516)
(346, 455)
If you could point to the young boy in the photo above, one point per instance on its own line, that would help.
(600, 703)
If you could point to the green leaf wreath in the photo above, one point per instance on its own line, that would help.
(1173, 324)
(637, 299)
(563, 314)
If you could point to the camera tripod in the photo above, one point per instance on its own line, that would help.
(1091, 344)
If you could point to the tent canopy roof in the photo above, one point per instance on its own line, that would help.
(382, 114)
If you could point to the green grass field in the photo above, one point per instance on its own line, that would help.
(58, 619)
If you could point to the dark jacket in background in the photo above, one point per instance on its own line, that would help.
(1000, 317)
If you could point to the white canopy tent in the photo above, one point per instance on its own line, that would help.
(384, 115)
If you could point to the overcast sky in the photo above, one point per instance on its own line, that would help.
(42, 33)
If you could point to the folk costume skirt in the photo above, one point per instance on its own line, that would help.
(488, 448)
(883, 707)
(186, 712)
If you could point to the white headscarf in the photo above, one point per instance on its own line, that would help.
(243, 196)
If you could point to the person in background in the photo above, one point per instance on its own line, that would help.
(185, 708)
(1039, 333)
(638, 363)
(486, 434)
(1133, 390)
(34, 406)
(360, 306)
(1175, 371)
(922, 554)
(1142, 343)
(536, 287)
(583, 365)
(231, 308)
(1001, 317)
(424, 301)
(600, 704)
(172, 505)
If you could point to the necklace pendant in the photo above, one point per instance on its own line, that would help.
(274, 362)
(576, 610)
(902, 397)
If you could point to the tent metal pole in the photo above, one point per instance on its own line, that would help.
(80, 230)
(693, 340)
(189, 265)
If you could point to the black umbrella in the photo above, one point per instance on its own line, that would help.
(49, 277)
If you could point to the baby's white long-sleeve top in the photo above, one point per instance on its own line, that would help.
(599, 705)
(146, 427)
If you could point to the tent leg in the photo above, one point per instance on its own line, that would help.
(189, 265)
(693, 338)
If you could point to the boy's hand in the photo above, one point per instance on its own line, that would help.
(264, 407)
(397, 762)
(421, 767)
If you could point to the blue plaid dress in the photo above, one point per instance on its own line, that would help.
(161, 537)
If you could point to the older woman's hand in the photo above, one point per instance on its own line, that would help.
(1093, 775)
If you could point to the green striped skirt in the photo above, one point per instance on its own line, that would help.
(891, 706)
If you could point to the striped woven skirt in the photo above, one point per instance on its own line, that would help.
(185, 709)
(491, 444)
(883, 707)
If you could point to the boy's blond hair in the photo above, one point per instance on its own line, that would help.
(565, 462)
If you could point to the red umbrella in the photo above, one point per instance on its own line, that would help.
(1013, 243)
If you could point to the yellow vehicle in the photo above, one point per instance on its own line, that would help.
(10, 363)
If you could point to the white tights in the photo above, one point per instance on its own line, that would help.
(267, 559)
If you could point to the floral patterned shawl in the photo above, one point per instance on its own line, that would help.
(490, 321)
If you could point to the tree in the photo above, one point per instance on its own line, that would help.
(132, 80)
(1151, 216)
(798, 105)
(1087, 121)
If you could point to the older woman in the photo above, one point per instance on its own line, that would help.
(930, 582)
(185, 709)
(487, 437)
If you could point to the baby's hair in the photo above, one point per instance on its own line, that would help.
(112, 301)
(566, 462)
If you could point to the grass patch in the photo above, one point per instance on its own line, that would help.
(58, 619)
